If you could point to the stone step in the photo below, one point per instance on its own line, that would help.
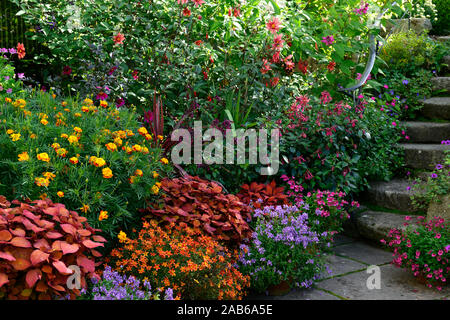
(441, 83)
(446, 61)
(375, 225)
(443, 38)
(437, 108)
(423, 156)
(391, 195)
(421, 132)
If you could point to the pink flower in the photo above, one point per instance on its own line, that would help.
(119, 38)
(186, 12)
(198, 2)
(273, 25)
(328, 40)
(266, 67)
(278, 42)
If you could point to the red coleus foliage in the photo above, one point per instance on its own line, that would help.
(202, 204)
(38, 244)
(260, 195)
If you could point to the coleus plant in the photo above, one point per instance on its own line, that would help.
(41, 245)
(260, 195)
(201, 204)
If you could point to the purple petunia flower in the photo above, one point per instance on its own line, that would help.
(434, 175)
(405, 82)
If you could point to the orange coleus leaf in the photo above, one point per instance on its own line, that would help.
(7, 256)
(53, 235)
(18, 232)
(5, 235)
(32, 277)
(21, 264)
(91, 244)
(87, 264)
(41, 287)
(62, 268)
(69, 229)
(20, 242)
(69, 248)
(37, 256)
(3, 279)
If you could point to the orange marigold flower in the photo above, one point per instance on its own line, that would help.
(111, 147)
(107, 173)
(43, 157)
(23, 156)
(103, 215)
(60, 194)
(73, 160)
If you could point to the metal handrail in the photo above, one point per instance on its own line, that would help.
(373, 52)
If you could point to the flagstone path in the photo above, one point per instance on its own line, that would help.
(348, 280)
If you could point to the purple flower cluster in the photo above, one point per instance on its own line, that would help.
(114, 286)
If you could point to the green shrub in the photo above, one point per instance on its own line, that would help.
(407, 52)
(90, 158)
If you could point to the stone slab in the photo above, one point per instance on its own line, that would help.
(375, 225)
(423, 156)
(437, 108)
(396, 284)
(364, 253)
(421, 132)
(341, 239)
(339, 266)
(441, 83)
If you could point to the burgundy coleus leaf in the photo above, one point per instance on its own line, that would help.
(30, 215)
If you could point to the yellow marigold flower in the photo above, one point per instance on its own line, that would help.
(41, 182)
(158, 184)
(164, 160)
(128, 150)
(73, 160)
(85, 109)
(8, 100)
(9, 131)
(103, 103)
(160, 137)
(145, 150)
(72, 139)
(43, 196)
(137, 148)
(20, 103)
(53, 96)
(129, 133)
(60, 194)
(24, 156)
(99, 162)
(155, 174)
(43, 157)
(155, 189)
(33, 136)
(78, 130)
(122, 236)
(103, 215)
(111, 146)
(138, 172)
(142, 131)
(88, 101)
(107, 173)
(15, 136)
(26, 113)
(56, 145)
(118, 141)
(64, 103)
(61, 152)
(66, 109)
(148, 137)
(64, 136)
(77, 114)
(85, 208)
(44, 122)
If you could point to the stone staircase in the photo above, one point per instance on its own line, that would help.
(386, 204)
